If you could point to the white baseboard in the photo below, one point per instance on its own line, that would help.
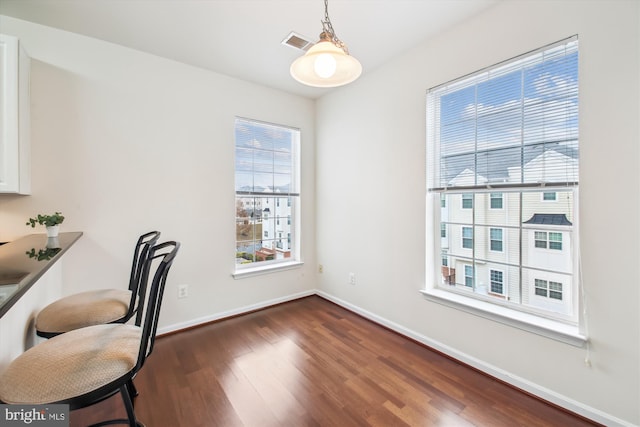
(514, 380)
(235, 312)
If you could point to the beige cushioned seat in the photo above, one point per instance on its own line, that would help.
(84, 309)
(71, 364)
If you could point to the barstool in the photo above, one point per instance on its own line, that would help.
(87, 365)
(101, 306)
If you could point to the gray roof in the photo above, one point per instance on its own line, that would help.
(549, 219)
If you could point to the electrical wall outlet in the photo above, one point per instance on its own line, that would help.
(352, 278)
(183, 291)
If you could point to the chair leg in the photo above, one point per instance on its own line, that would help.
(131, 420)
(128, 404)
(133, 391)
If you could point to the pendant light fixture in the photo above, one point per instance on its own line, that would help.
(327, 63)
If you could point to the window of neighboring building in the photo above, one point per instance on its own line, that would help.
(467, 237)
(443, 229)
(267, 174)
(497, 284)
(467, 201)
(555, 290)
(496, 201)
(555, 241)
(548, 240)
(548, 289)
(495, 235)
(468, 276)
(506, 137)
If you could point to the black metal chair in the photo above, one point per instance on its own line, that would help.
(88, 365)
(101, 306)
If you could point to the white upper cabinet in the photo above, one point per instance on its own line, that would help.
(15, 168)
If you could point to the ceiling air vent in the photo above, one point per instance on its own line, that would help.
(297, 41)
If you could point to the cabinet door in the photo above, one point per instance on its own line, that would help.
(14, 117)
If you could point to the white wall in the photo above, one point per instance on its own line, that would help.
(371, 200)
(125, 142)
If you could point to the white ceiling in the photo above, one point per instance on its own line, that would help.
(242, 38)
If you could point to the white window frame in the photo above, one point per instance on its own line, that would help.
(538, 237)
(502, 285)
(555, 241)
(491, 198)
(548, 290)
(491, 239)
(465, 197)
(547, 240)
(463, 238)
(466, 276)
(561, 292)
(270, 131)
(530, 321)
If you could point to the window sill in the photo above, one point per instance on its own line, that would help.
(272, 268)
(538, 325)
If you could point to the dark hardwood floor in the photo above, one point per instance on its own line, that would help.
(312, 363)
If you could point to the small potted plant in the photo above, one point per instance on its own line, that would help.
(52, 222)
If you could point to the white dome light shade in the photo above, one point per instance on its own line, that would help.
(326, 65)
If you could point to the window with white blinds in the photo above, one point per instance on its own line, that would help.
(499, 141)
(267, 197)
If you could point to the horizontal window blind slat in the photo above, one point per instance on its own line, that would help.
(265, 194)
(551, 186)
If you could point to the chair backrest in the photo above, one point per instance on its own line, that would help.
(154, 273)
(144, 244)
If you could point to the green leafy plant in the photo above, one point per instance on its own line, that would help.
(248, 258)
(43, 254)
(46, 220)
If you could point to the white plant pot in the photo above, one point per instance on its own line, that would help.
(52, 231)
(53, 243)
